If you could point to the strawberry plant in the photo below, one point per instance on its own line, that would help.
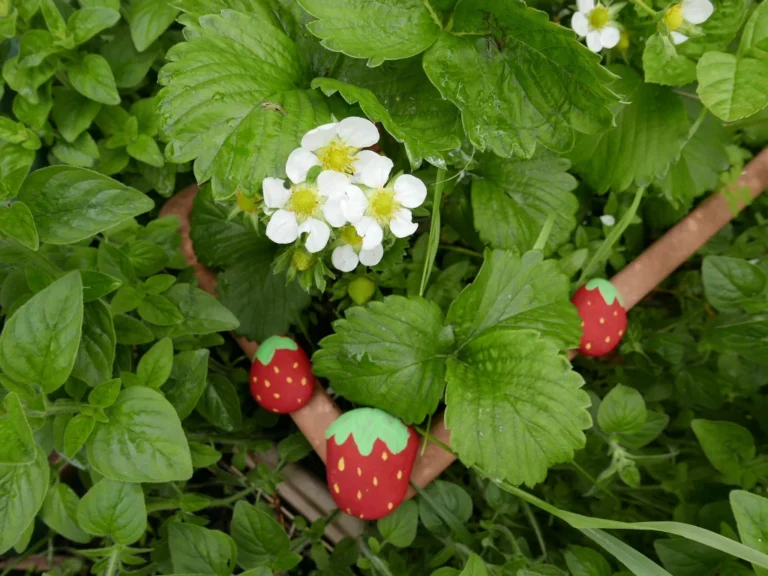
(421, 208)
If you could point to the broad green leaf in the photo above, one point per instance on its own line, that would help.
(514, 406)
(35, 46)
(663, 65)
(155, 366)
(751, 513)
(97, 345)
(390, 354)
(159, 310)
(115, 510)
(187, 381)
(146, 150)
(159, 284)
(685, 558)
(71, 204)
(198, 550)
(85, 23)
(379, 31)
(39, 343)
(131, 332)
(728, 446)
(203, 455)
(113, 261)
(125, 300)
(91, 76)
(23, 542)
(76, 434)
(96, 285)
(142, 442)
(514, 291)
(512, 199)
(15, 162)
(747, 337)
(83, 152)
(53, 19)
(59, 513)
(105, 394)
(259, 538)
(26, 81)
(732, 284)
(16, 222)
(34, 115)
(18, 445)
(754, 38)
(148, 20)
(445, 507)
(128, 65)
(220, 404)
(72, 112)
(197, 8)
(655, 422)
(732, 87)
(399, 528)
(537, 84)
(583, 561)
(622, 411)
(218, 104)
(201, 312)
(654, 120)
(476, 567)
(22, 490)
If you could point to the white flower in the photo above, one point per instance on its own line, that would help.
(595, 21)
(350, 253)
(372, 209)
(304, 208)
(337, 147)
(691, 12)
(607, 220)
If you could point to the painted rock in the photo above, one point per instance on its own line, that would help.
(370, 458)
(281, 376)
(603, 317)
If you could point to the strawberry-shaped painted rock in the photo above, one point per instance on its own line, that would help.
(370, 458)
(603, 317)
(281, 376)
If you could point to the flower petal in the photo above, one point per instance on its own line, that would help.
(609, 36)
(608, 220)
(320, 137)
(697, 11)
(319, 233)
(401, 225)
(593, 41)
(678, 38)
(585, 6)
(375, 170)
(330, 182)
(333, 212)
(275, 193)
(358, 132)
(580, 24)
(299, 163)
(344, 258)
(282, 227)
(372, 257)
(354, 204)
(371, 232)
(410, 191)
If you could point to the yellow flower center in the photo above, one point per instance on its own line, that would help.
(304, 202)
(302, 260)
(338, 157)
(383, 205)
(624, 41)
(246, 203)
(599, 17)
(674, 17)
(349, 236)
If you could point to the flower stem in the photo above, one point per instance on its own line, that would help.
(461, 250)
(643, 6)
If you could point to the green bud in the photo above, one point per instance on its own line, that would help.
(361, 290)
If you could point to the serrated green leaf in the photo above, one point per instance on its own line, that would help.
(92, 203)
(115, 510)
(390, 355)
(732, 87)
(148, 20)
(514, 291)
(142, 442)
(16, 222)
(663, 65)
(39, 343)
(538, 84)
(754, 38)
(198, 550)
(96, 353)
(91, 76)
(654, 120)
(22, 490)
(187, 381)
(512, 199)
(59, 512)
(514, 406)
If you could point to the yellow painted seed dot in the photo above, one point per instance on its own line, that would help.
(255, 379)
(621, 333)
(276, 395)
(341, 464)
(588, 346)
(362, 517)
(607, 339)
(384, 456)
(336, 488)
(277, 370)
(289, 380)
(390, 506)
(399, 474)
(602, 320)
(582, 324)
(359, 495)
(303, 381)
(589, 302)
(375, 481)
(300, 400)
(258, 397)
(615, 312)
(295, 364)
(349, 511)
(275, 410)
(267, 383)
(359, 472)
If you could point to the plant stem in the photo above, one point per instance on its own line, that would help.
(434, 231)
(114, 562)
(334, 69)
(461, 250)
(643, 6)
(223, 502)
(535, 526)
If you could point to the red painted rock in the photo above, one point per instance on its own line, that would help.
(281, 376)
(370, 458)
(603, 317)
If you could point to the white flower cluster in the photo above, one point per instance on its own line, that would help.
(352, 194)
